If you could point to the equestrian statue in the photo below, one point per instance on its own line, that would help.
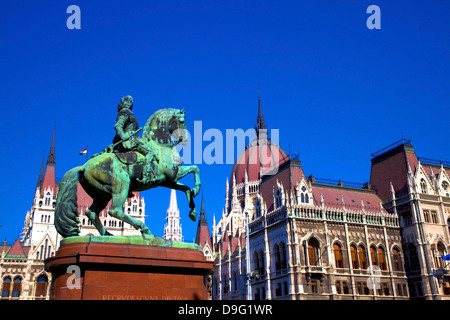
(129, 164)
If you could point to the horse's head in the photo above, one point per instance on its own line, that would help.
(177, 126)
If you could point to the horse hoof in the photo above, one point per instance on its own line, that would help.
(146, 231)
(193, 215)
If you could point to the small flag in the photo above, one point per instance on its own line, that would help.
(84, 151)
(447, 257)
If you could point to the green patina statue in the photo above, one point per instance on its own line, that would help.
(129, 164)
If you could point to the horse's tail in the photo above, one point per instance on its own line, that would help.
(66, 209)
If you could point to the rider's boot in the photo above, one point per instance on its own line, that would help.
(147, 174)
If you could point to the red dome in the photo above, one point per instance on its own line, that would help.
(272, 157)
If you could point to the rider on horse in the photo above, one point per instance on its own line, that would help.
(126, 127)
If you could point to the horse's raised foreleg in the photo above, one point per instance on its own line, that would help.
(190, 193)
(185, 170)
(120, 188)
(93, 214)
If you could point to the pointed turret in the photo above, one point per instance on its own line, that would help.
(261, 127)
(49, 180)
(202, 238)
(41, 174)
(172, 229)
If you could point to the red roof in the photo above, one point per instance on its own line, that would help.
(16, 249)
(334, 195)
(392, 166)
(49, 179)
(250, 161)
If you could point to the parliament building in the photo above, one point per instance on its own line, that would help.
(323, 239)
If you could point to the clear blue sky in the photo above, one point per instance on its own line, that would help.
(334, 88)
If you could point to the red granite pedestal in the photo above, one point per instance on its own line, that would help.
(110, 271)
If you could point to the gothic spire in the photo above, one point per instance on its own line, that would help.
(202, 237)
(49, 181)
(41, 174)
(202, 214)
(261, 127)
(51, 159)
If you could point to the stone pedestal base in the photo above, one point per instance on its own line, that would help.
(126, 271)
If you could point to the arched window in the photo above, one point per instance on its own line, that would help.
(306, 198)
(362, 257)
(283, 255)
(397, 260)
(257, 208)
(262, 268)
(17, 287)
(226, 287)
(423, 186)
(6, 287)
(234, 282)
(338, 255)
(373, 255)
(256, 261)
(355, 263)
(41, 287)
(313, 252)
(440, 251)
(414, 264)
(446, 188)
(277, 257)
(381, 259)
(278, 198)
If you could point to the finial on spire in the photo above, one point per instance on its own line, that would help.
(261, 127)
(51, 159)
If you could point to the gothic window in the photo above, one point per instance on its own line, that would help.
(381, 259)
(440, 251)
(304, 198)
(362, 257)
(397, 261)
(314, 288)
(446, 188)
(313, 252)
(256, 261)
(41, 287)
(6, 287)
(17, 287)
(257, 208)
(278, 198)
(262, 268)
(355, 263)
(226, 287)
(277, 258)
(283, 255)
(434, 217)
(338, 255)
(373, 255)
(426, 216)
(423, 186)
(414, 264)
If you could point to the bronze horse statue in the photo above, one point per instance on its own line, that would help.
(113, 176)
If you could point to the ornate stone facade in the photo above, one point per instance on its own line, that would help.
(307, 239)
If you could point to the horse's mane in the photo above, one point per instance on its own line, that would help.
(148, 125)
